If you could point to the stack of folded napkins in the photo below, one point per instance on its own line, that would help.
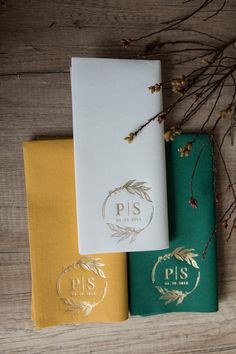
(86, 212)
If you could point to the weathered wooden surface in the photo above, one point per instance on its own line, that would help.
(37, 40)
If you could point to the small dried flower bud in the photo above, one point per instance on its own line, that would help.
(161, 116)
(152, 88)
(183, 152)
(178, 131)
(155, 88)
(179, 85)
(223, 114)
(126, 42)
(225, 224)
(193, 202)
(189, 146)
(205, 61)
(171, 133)
(198, 94)
(175, 82)
(168, 136)
(130, 138)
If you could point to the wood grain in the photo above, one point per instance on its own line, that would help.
(37, 40)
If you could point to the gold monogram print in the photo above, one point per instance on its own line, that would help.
(176, 275)
(128, 211)
(78, 281)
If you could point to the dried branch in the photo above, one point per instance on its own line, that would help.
(215, 70)
(169, 25)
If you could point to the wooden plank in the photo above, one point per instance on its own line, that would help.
(33, 39)
(150, 335)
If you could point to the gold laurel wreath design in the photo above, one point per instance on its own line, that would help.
(184, 255)
(125, 232)
(89, 264)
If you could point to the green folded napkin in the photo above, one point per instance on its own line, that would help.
(178, 279)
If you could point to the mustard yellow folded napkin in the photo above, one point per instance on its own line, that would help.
(66, 287)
